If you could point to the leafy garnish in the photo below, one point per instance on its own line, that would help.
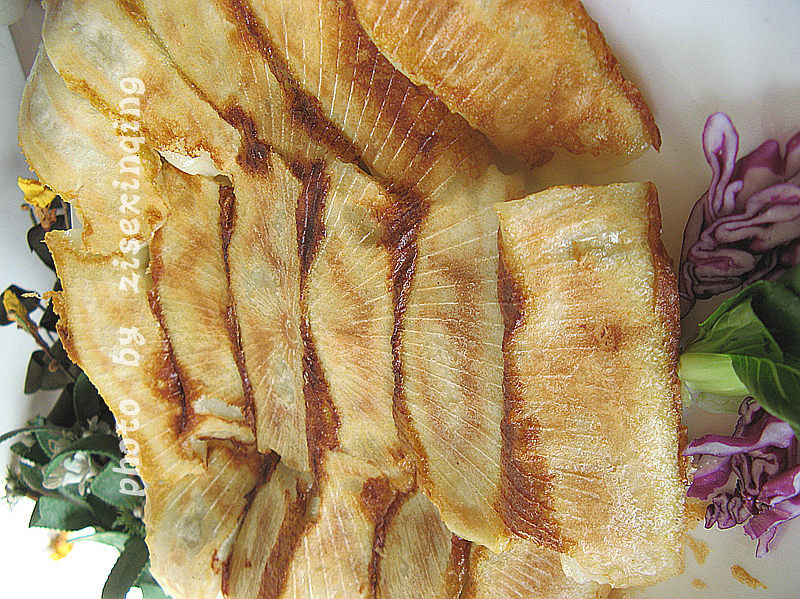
(750, 346)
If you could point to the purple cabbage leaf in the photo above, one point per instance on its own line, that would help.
(751, 477)
(746, 227)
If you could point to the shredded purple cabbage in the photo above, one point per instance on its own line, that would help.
(747, 225)
(751, 477)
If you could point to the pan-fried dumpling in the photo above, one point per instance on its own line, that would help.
(192, 507)
(593, 413)
(532, 75)
(192, 302)
(75, 149)
(104, 52)
(524, 570)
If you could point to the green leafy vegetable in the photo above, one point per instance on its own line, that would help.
(750, 346)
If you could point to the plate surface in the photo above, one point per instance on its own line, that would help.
(689, 58)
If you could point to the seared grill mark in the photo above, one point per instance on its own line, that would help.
(305, 109)
(525, 503)
(227, 223)
(402, 223)
(322, 417)
(293, 527)
(253, 156)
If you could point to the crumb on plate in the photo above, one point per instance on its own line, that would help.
(742, 576)
(699, 548)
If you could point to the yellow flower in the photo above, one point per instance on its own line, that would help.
(36, 194)
(60, 546)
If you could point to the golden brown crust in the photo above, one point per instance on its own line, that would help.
(531, 74)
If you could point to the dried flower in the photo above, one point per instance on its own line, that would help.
(78, 468)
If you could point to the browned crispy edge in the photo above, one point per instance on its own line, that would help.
(610, 65)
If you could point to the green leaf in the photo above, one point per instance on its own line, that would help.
(60, 514)
(132, 560)
(775, 386)
(105, 515)
(63, 412)
(36, 240)
(779, 310)
(54, 440)
(88, 403)
(152, 591)
(49, 319)
(106, 486)
(31, 453)
(35, 374)
(739, 331)
(32, 476)
(112, 538)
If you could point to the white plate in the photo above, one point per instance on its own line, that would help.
(689, 58)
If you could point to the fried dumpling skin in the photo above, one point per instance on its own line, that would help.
(192, 507)
(304, 540)
(75, 150)
(104, 52)
(531, 74)
(592, 411)
(524, 570)
(354, 100)
(192, 302)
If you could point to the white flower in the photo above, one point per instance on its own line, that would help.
(78, 468)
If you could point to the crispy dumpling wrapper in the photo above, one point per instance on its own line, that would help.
(592, 397)
(105, 52)
(75, 150)
(192, 507)
(304, 540)
(450, 343)
(524, 570)
(193, 304)
(265, 286)
(190, 530)
(532, 75)
(349, 97)
(350, 535)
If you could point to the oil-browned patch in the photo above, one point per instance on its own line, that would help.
(457, 575)
(383, 503)
(699, 549)
(165, 372)
(376, 495)
(401, 224)
(253, 156)
(698, 584)
(525, 505)
(322, 416)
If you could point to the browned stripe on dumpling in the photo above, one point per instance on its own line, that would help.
(525, 505)
(401, 228)
(322, 416)
(227, 222)
(304, 108)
